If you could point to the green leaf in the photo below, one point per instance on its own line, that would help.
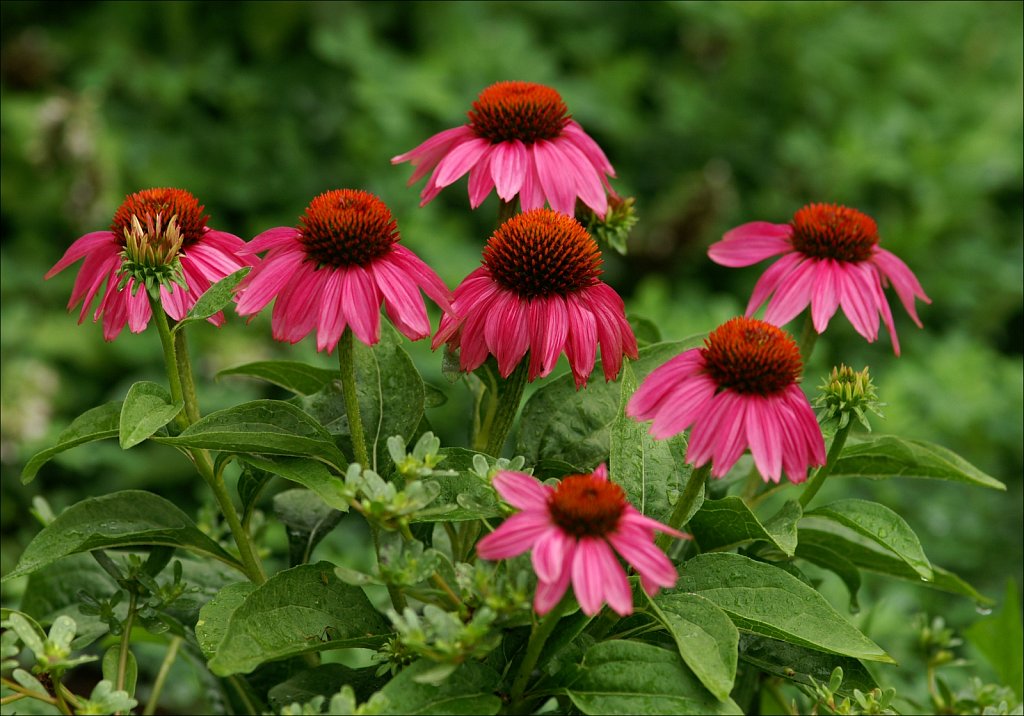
(765, 600)
(728, 522)
(307, 520)
(629, 677)
(561, 423)
(307, 472)
(303, 609)
(888, 456)
(216, 613)
(97, 423)
(800, 665)
(390, 392)
(468, 690)
(705, 636)
(324, 680)
(647, 469)
(271, 427)
(214, 299)
(131, 518)
(868, 554)
(146, 409)
(110, 664)
(999, 636)
(251, 483)
(834, 562)
(471, 497)
(882, 525)
(299, 378)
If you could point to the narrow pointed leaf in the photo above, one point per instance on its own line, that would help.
(98, 423)
(146, 409)
(304, 471)
(299, 378)
(215, 298)
(888, 456)
(728, 522)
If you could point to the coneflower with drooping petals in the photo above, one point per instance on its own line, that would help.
(159, 237)
(740, 390)
(830, 258)
(539, 291)
(520, 141)
(574, 530)
(336, 269)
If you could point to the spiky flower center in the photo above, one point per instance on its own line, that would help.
(518, 110)
(542, 253)
(153, 208)
(347, 227)
(751, 357)
(830, 231)
(585, 506)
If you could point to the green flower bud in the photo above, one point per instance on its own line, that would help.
(846, 393)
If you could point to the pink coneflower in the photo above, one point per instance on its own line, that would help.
(739, 391)
(336, 269)
(573, 529)
(830, 258)
(158, 237)
(521, 141)
(538, 290)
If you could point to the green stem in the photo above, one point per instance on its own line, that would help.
(170, 359)
(397, 598)
(508, 395)
(58, 692)
(685, 502)
(161, 676)
(830, 460)
(347, 366)
(808, 337)
(246, 549)
(538, 637)
(506, 210)
(188, 384)
(126, 640)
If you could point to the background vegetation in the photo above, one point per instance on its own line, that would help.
(712, 113)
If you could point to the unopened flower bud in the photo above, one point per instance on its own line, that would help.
(847, 393)
(150, 253)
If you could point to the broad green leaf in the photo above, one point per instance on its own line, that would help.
(324, 680)
(834, 562)
(307, 520)
(882, 525)
(472, 498)
(728, 522)
(214, 299)
(391, 398)
(146, 409)
(303, 609)
(647, 469)
(97, 423)
(216, 613)
(121, 519)
(299, 378)
(304, 471)
(630, 677)
(799, 664)
(468, 690)
(868, 554)
(561, 423)
(999, 636)
(888, 456)
(271, 427)
(705, 636)
(766, 600)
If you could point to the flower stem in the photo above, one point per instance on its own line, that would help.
(808, 337)
(347, 366)
(506, 397)
(538, 637)
(830, 460)
(167, 341)
(188, 384)
(685, 502)
(126, 640)
(246, 549)
(506, 210)
(161, 677)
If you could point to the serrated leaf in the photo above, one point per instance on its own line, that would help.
(98, 423)
(561, 423)
(467, 690)
(766, 600)
(868, 554)
(271, 427)
(647, 469)
(307, 472)
(214, 299)
(800, 665)
(146, 409)
(290, 615)
(887, 456)
(728, 522)
(882, 525)
(705, 637)
(130, 518)
(630, 677)
(299, 378)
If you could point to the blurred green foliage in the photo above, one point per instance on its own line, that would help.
(713, 114)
